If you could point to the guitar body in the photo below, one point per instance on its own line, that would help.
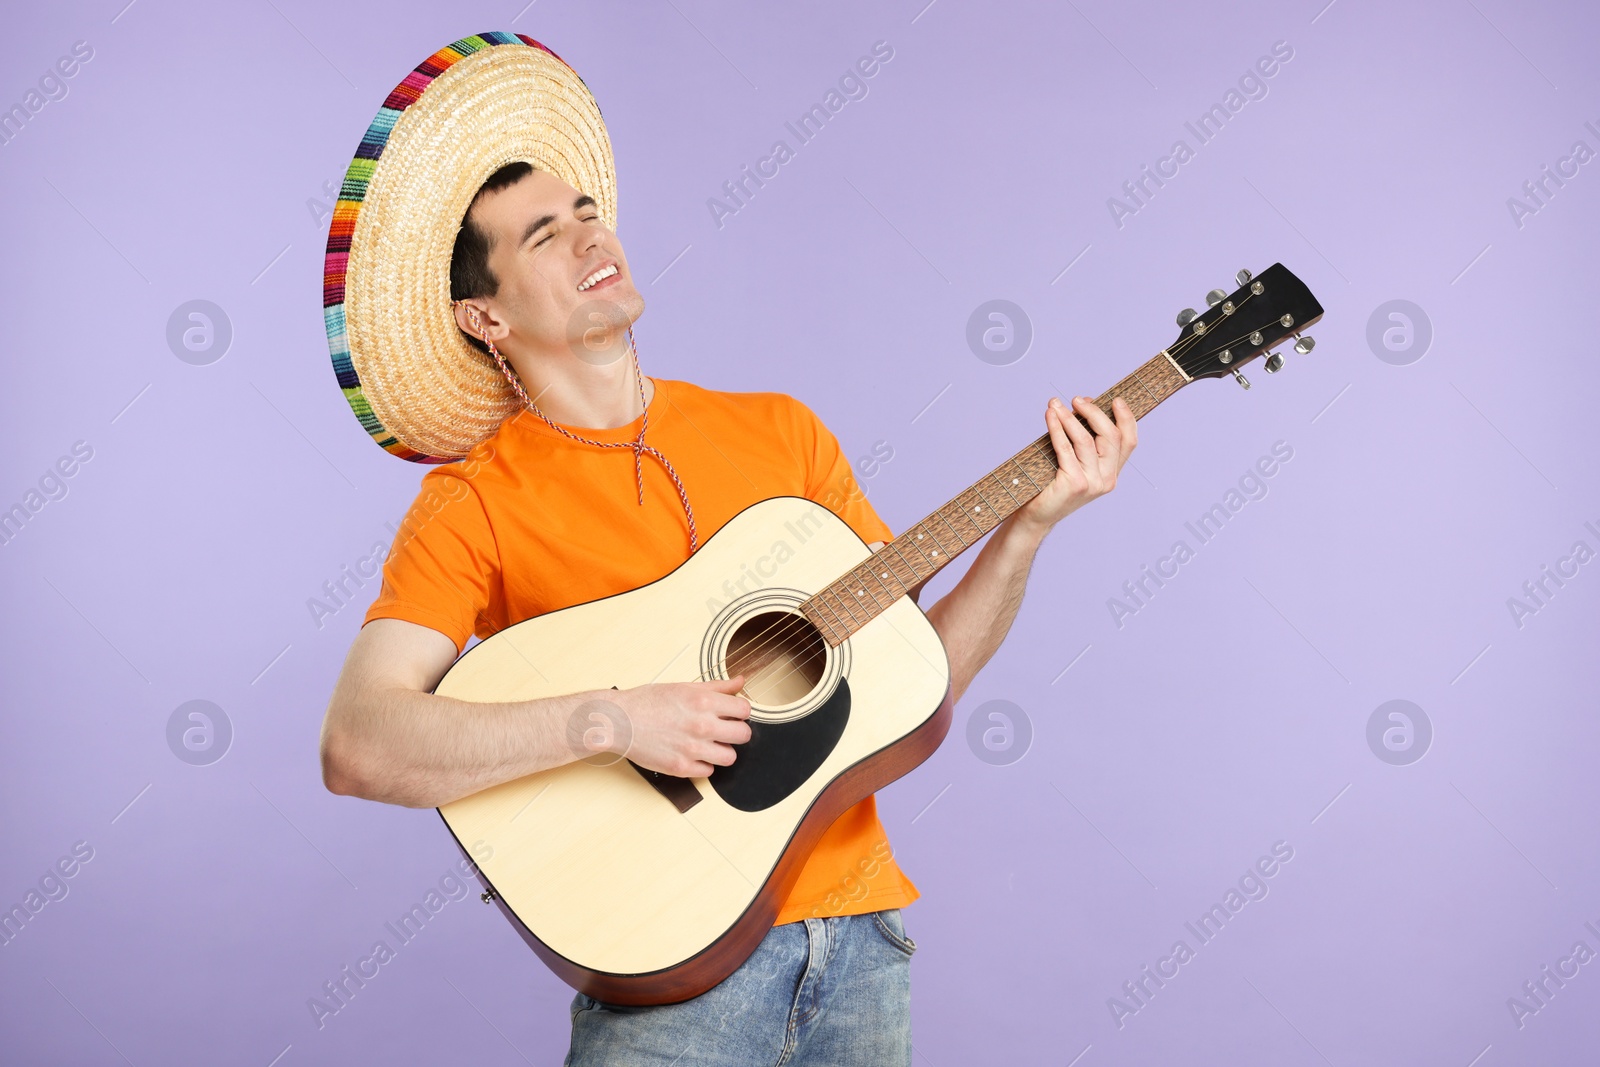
(638, 888)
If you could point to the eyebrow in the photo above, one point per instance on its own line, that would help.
(540, 223)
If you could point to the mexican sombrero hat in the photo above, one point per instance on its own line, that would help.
(418, 387)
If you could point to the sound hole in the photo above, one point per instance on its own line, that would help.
(781, 656)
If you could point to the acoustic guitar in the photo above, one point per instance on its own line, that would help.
(640, 888)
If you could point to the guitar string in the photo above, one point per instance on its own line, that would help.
(796, 623)
(770, 638)
(775, 633)
(1194, 338)
(792, 624)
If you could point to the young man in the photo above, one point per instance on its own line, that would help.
(561, 499)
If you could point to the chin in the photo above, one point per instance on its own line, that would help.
(628, 304)
(608, 311)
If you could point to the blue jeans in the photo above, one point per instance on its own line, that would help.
(832, 991)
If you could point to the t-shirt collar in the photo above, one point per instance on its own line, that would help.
(657, 410)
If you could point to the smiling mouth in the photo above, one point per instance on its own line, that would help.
(597, 277)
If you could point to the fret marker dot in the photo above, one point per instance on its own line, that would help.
(861, 592)
(885, 574)
(1014, 482)
(978, 508)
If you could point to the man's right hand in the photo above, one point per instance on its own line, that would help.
(388, 737)
(685, 729)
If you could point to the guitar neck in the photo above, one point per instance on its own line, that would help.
(921, 551)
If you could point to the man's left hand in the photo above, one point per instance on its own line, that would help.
(1087, 464)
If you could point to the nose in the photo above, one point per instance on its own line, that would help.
(589, 235)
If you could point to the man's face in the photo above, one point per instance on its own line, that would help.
(548, 241)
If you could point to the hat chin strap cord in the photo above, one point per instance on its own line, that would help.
(637, 444)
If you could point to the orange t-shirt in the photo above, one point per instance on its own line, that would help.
(530, 522)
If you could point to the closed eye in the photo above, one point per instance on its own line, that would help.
(551, 236)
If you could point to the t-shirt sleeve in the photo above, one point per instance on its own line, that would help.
(830, 481)
(443, 564)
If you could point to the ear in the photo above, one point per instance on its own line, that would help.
(488, 320)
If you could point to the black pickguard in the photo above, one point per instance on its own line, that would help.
(780, 756)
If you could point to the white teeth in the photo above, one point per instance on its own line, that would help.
(598, 276)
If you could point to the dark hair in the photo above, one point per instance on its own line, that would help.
(470, 275)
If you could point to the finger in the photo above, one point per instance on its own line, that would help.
(718, 754)
(699, 770)
(729, 706)
(1127, 424)
(1071, 467)
(1107, 440)
(731, 732)
(1065, 459)
(1082, 441)
(724, 685)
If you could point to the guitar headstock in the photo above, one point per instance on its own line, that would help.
(1265, 310)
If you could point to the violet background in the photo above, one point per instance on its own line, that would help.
(1228, 714)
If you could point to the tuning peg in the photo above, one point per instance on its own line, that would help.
(1244, 383)
(1215, 297)
(1243, 276)
(1185, 316)
(1305, 344)
(1274, 363)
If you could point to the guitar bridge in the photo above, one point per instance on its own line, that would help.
(680, 791)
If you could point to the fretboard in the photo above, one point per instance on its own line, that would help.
(864, 592)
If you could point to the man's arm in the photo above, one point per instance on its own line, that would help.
(387, 737)
(974, 617)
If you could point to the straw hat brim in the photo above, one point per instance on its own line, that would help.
(415, 383)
